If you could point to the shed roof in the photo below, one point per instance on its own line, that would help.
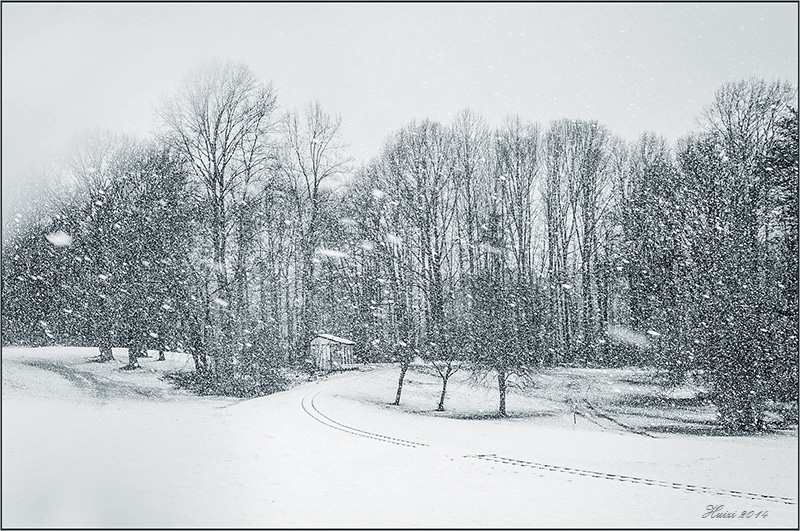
(336, 339)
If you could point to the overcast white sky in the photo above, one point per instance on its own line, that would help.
(634, 67)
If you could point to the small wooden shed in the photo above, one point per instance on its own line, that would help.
(331, 352)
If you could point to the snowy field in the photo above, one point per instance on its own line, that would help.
(88, 445)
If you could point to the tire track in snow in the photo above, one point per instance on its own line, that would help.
(310, 408)
(84, 381)
(597, 412)
(100, 388)
(633, 479)
(312, 411)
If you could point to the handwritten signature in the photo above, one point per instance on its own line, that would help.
(719, 511)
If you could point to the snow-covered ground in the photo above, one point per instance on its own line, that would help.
(88, 445)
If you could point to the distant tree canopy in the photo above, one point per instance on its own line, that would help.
(239, 233)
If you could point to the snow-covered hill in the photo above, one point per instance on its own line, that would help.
(88, 445)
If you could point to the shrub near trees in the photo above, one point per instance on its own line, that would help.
(240, 233)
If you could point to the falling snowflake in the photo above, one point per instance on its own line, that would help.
(59, 238)
(331, 253)
(624, 334)
(393, 238)
(490, 249)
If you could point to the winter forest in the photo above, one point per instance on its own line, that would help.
(238, 231)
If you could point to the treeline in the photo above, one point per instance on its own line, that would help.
(239, 232)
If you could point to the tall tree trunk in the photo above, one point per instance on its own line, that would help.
(105, 351)
(134, 351)
(502, 386)
(566, 324)
(403, 368)
(444, 392)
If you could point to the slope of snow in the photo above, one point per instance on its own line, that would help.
(88, 445)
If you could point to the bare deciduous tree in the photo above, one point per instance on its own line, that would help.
(314, 159)
(218, 121)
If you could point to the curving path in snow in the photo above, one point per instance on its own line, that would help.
(87, 445)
